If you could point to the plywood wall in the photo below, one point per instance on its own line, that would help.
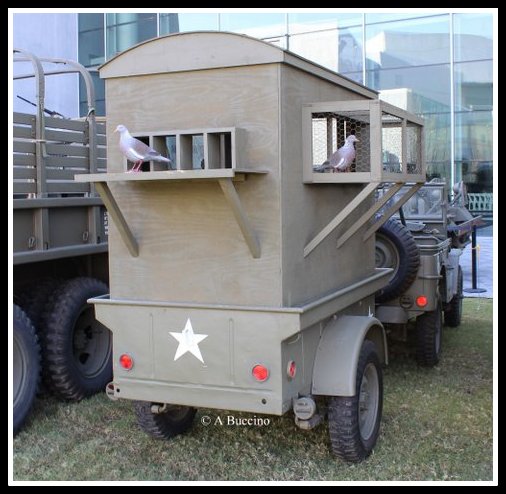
(191, 248)
(306, 209)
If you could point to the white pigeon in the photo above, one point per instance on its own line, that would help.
(341, 160)
(136, 151)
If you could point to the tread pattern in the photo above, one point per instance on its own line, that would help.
(60, 373)
(427, 327)
(409, 259)
(343, 414)
(27, 336)
(163, 425)
(453, 312)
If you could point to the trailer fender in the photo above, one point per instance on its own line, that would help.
(336, 359)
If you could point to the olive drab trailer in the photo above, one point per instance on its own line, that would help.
(59, 244)
(241, 277)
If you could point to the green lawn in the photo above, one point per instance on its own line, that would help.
(437, 425)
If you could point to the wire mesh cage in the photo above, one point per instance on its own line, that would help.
(330, 131)
(387, 143)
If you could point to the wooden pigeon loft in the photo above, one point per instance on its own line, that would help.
(243, 217)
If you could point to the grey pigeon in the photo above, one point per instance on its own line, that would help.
(136, 151)
(342, 159)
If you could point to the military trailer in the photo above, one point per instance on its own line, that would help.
(243, 278)
(59, 244)
(423, 244)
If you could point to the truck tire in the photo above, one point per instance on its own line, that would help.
(354, 421)
(397, 249)
(26, 367)
(428, 337)
(33, 299)
(453, 311)
(170, 422)
(76, 348)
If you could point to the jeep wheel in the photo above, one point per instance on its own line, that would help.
(354, 421)
(170, 421)
(453, 311)
(397, 249)
(428, 337)
(76, 348)
(26, 367)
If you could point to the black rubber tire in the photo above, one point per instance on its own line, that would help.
(453, 311)
(34, 298)
(76, 348)
(344, 412)
(396, 248)
(173, 421)
(428, 337)
(26, 367)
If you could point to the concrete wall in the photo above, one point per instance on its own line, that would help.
(47, 35)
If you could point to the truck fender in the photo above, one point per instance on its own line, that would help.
(336, 359)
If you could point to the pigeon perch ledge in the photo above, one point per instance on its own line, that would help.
(224, 177)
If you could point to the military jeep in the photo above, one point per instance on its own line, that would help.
(423, 243)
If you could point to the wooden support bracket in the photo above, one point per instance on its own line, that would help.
(368, 214)
(240, 216)
(118, 218)
(360, 197)
(391, 210)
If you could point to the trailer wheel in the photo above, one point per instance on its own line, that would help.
(397, 249)
(354, 421)
(76, 348)
(428, 337)
(453, 311)
(26, 367)
(169, 422)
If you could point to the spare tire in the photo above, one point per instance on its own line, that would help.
(396, 248)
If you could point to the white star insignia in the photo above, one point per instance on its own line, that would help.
(188, 341)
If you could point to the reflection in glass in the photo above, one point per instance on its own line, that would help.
(126, 30)
(169, 23)
(257, 25)
(421, 41)
(91, 39)
(472, 36)
(473, 86)
(198, 22)
(300, 23)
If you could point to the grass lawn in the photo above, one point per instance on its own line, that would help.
(437, 425)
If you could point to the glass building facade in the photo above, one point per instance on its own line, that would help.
(438, 66)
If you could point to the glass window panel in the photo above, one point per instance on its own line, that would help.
(473, 36)
(99, 95)
(321, 47)
(422, 41)
(437, 145)
(87, 22)
(337, 49)
(473, 86)
(299, 23)
(473, 136)
(257, 25)
(350, 50)
(91, 48)
(391, 16)
(126, 30)
(430, 83)
(198, 22)
(169, 23)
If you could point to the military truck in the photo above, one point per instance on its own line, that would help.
(59, 245)
(423, 244)
(244, 279)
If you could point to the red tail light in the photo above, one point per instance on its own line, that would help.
(260, 373)
(126, 361)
